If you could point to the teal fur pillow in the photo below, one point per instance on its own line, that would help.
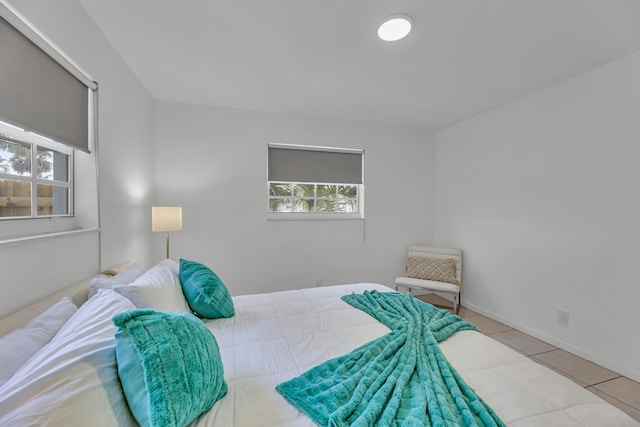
(169, 366)
(206, 294)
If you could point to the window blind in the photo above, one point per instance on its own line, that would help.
(39, 94)
(296, 163)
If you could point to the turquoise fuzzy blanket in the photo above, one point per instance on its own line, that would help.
(399, 379)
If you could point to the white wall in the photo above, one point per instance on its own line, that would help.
(213, 162)
(543, 196)
(33, 270)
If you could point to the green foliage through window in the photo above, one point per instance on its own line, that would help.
(313, 197)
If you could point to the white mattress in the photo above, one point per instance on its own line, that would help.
(275, 337)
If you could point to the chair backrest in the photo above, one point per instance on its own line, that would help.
(439, 253)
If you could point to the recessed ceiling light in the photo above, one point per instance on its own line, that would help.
(394, 28)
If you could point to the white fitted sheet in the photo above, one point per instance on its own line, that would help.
(275, 337)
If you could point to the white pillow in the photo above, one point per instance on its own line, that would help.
(159, 288)
(73, 380)
(20, 344)
(128, 275)
(171, 264)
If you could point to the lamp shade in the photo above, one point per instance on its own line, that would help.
(166, 218)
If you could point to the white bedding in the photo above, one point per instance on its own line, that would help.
(272, 338)
(275, 337)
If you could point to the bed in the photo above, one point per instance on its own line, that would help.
(270, 339)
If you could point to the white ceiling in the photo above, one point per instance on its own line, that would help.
(322, 58)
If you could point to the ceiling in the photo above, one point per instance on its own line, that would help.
(322, 58)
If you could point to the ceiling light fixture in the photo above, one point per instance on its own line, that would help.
(395, 28)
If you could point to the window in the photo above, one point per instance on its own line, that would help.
(48, 112)
(300, 197)
(307, 182)
(35, 178)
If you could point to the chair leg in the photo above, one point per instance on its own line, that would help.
(456, 303)
(407, 288)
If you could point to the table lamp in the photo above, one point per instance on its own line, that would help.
(166, 219)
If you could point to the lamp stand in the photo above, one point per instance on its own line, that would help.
(167, 242)
(166, 219)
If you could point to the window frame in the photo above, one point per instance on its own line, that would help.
(12, 133)
(83, 214)
(316, 215)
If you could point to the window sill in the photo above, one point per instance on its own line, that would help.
(291, 216)
(18, 228)
(46, 236)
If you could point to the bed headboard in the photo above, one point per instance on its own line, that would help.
(77, 293)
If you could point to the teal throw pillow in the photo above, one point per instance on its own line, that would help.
(169, 366)
(206, 294)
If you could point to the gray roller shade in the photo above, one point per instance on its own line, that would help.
(38, 94)
(313, 164)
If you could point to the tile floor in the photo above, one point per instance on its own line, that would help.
(610, 386)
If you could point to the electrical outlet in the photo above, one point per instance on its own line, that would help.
(563, 318)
